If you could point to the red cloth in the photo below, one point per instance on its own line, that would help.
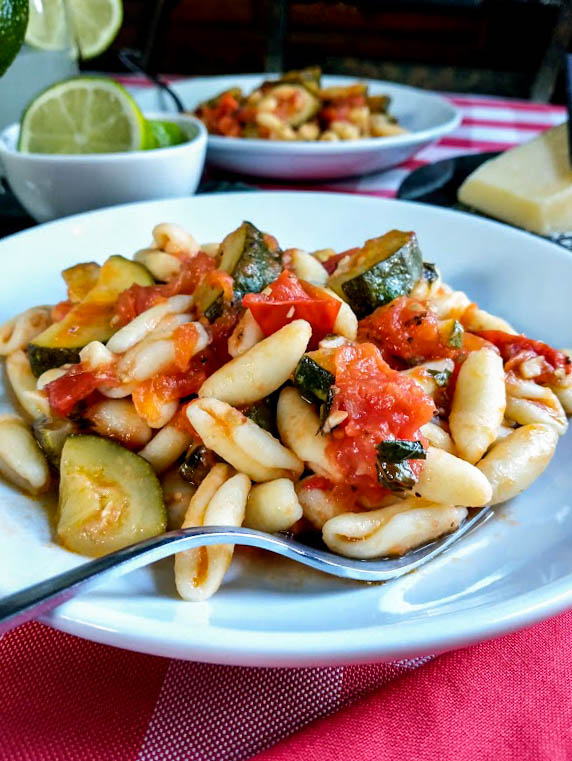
(66, 699)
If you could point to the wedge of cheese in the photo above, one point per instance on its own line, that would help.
(529, 186)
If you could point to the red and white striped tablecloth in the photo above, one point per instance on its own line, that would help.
(66, 699)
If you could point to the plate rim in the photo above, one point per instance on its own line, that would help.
(341, 645)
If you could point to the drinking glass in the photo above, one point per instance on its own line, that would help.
(48, 55)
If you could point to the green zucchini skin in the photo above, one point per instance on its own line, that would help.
(312, 380)
(43, 358)
(251, 263)
(51, 434)
(384, 269)
(87, 321)
(197, 463)
(109, 497)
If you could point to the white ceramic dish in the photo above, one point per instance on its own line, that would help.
(509, 573)
(427, 116)
(52, 186)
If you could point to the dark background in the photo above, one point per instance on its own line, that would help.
(502, 47)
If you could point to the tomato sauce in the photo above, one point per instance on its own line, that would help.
(139, 298)
(517, 349)
(381, 404)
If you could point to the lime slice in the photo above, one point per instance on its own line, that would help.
(47, 27)
(13, 22)
(166, 134)
(83, 115)
(95, 24)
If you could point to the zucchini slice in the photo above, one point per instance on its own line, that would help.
(307, 105)
(51, 435)
(385, 268)
(80, 279)
(109, 497)
(245, 255)
(315, 375)
(89, 320)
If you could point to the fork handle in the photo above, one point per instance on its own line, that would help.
(37, 600)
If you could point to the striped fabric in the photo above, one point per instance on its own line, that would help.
(64, 699)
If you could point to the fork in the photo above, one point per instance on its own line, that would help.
(37, 600)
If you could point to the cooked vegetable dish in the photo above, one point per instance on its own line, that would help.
(351, 397)
(297, 107)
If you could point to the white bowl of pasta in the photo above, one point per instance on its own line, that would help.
(50, 185)
(425, 117)
(372, 427)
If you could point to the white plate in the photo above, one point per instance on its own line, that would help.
(427, 116)
(509, 573)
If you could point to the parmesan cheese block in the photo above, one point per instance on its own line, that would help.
(529, 186)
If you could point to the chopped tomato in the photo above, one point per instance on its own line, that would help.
(185, 338)
(222, 118)
(339, 110)
(331, 263)
(222, 280)
(60, 310)
(381, 404)
(77, 384)
(182, 423)
(152, 394)
(517, 349)
(405, 329)
(139, 298)
(292, 299)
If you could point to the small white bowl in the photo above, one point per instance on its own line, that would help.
(54, 185)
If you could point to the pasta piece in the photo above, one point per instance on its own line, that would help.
(391, 530)
(162, 266)
(505, 429)
(427, 375)
(21, 460)
(118, 392)
(173, 239)
(438, 437)
(260, 370)
(318, 504)
(448, 480)
(20, 330)
(199, 573)
(447, 303)
(299, 428)
(177, 494)
(51, 375)
(246, 335)
(475, 320)
(146, 359)
(527, 402)
(117, 419)
(147, 321)
(210, 249)
(95, 356)
(23, 383)
(479, 404)
(307, 267)
(272, 506)
(166, 447)
(242, 443)
(516, 461)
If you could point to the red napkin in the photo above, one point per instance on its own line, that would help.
(66, 699)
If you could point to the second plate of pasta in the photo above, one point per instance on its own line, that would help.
(352, 371)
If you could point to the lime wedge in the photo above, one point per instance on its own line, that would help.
(166, 133)
(95, 24)
(13, 22)
(83, 115)
(47, 27)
